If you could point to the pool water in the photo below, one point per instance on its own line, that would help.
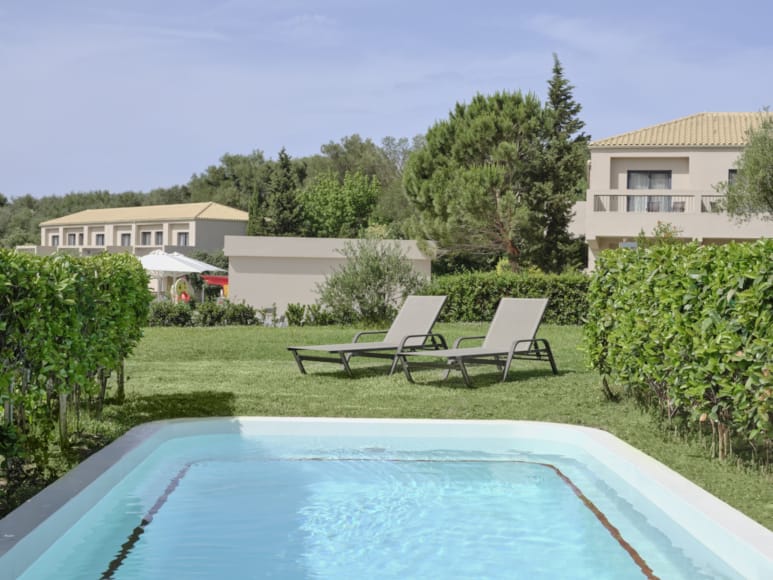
(232, 506)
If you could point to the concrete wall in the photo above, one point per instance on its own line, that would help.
(272, 271)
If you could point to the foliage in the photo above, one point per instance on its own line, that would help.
(237, 180)
(168, 313)
(751, 192)
(688, 329)
(66, 324)
(274, 210)
(474, 296)
(335, 208)
(210, 313)
(500, 175)
(307, 315)
(370, 285)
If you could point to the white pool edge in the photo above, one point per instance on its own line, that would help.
(707, 518)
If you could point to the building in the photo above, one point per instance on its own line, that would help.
(668, 173)
(184, 228)
(272, 272)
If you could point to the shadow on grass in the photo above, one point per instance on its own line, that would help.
(483, 379)
(142, 409)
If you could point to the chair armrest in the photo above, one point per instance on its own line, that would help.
(366, 333)
(459, 340)
(437, 340)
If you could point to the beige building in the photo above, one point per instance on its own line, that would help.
(184, 228)
(667, 173)
(267, 272)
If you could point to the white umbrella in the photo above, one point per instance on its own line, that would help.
(160, 264)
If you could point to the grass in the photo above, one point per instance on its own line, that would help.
(198, 372)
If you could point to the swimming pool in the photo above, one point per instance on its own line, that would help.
(326, 498)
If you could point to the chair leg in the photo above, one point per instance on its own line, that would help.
(298, 360)
(393, 368)
(465, 376)
(550, 356)
(507, 366)
(345, 363)
(404, 364)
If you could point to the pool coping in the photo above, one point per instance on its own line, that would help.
(739, 531)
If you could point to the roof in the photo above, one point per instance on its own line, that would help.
(208, 210)
(700, 130)
(293, 247)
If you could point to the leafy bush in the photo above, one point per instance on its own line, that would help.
(473, 296)
(295, 314)
(239, 314)
(167, 313)
(209, 314)
(689, 330)
(370, 285)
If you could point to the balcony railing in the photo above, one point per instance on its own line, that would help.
(657, 202)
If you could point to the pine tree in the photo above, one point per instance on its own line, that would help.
(278, 212)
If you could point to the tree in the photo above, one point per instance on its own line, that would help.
(500, 176)
(469, 184)
(339, 208)
(563, 183)
(277, 211)
(235, 182)
(751, 192)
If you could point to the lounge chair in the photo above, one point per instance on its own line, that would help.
(510, 336)
(416, 318)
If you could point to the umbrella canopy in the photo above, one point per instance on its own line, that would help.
(160, 263)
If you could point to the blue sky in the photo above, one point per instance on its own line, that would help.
(132, 95)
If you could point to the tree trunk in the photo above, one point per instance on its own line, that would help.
(120, 393)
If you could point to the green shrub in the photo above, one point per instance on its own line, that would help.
(370, 285)
(209, 314)
(295, 314)
(689, 330)
(239, 314)
(473, 296)
(167, 313)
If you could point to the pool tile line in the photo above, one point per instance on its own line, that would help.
(137, 532)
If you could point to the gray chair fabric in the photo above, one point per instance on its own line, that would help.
(415, 319)
(511, 335)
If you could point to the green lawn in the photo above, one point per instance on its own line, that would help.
(196, 372)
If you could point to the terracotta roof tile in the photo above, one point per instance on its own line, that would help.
(152, 213)
(700, 130)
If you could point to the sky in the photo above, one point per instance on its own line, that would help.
(132, 95)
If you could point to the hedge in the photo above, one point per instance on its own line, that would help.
(688, 329)
(473, 296)
(66, 324)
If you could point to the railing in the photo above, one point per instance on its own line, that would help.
(660, 202)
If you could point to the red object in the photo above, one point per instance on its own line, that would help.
(184, 296)
(215, 280)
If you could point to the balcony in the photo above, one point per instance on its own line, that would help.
(625, 214)
(657, 202)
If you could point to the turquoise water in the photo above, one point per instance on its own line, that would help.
(229, 507)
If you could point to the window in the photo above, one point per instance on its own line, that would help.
(649, 180)
(159, 238)
(182, 238)
(55, 240)
(731, 175)
(100, 239)
(70, 239)
(126, 239)
(145, 238)
(80, 239)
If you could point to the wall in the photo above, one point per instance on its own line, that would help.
(268, 271)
